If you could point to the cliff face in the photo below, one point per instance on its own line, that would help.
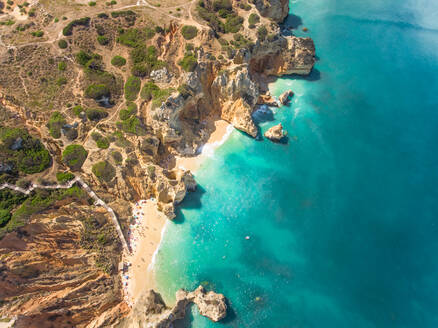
(50, 276)
(275, 9)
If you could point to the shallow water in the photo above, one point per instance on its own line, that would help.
(343, 219)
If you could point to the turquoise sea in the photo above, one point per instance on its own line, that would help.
(343, 220)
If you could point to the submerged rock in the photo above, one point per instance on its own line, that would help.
(276, 133)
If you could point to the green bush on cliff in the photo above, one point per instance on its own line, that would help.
(96, 114)
(103, 40)
(104, 171)
(56, 121)
(189, 32)
(189, 62)
(62, 44)
(233, 23)
(101, 141)
(118, 61)
(253, 19)
(97, 91)
(22, 152)
(68, 30)
(148, 90)
(74, 156)
(130, 110)
(132, 125)
(64, 177)
(132, 88)
(262, 32)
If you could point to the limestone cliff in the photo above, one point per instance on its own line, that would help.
(275, 9)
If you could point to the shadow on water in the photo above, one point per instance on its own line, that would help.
(315, 75)
(263, 114)
(187, 321)
(191, 201)
(231, 314)
(293, 21)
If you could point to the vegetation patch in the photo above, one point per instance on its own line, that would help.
(101, 141)
(23, 207)
(104, 171)
(130, 110)
(64, 177)
(189, 32)
(21, 153)
(132, 125)
(68, 30)
(189, 62)
(74, 156)
(56, 122)
(118, 61)
(132, 88)
(96, 114)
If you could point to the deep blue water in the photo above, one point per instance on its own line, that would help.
(343, 219)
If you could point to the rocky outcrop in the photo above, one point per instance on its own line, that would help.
(152, 310)
(47, 274)
(284, 55)
(285, 97)
(237, 94)
(276, 133)
(275, 9)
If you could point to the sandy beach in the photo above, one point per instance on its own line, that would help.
(148, 226)
(217, 138)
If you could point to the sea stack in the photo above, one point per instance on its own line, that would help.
(285, 97)
(276, 133)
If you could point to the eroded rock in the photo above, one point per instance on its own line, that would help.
(285, 97)
(276, 133)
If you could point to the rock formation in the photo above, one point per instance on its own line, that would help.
(275, 9)
(276, 133)
(152, 310)
(285, 97)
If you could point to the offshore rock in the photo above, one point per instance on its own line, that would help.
(285, 97)
(152, 311)
(276, 133)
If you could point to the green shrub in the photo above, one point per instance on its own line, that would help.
(64, 177)
(189, 47)
(68, 30)
(123, 13)
(102, 15)
(61, 81)
(97, 91)
(188, 63)
(132, 37)
(62, 44)
(56, 121)
(149, 33)
(92, 3)
(132, 88)
(23, 152)
(38, 33)
(117, 156)
(189, 32)
(132, 125)
(118, 61)
(96, 114)
(101, 141)
(104, 171)
(222, 4)
(77, 110)
(62, 66)
(83, 57)
(148, 90)
(74, 156)
(262, 32)
(253, 19)
(233, 24)
(103, 40)
(130, 110)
